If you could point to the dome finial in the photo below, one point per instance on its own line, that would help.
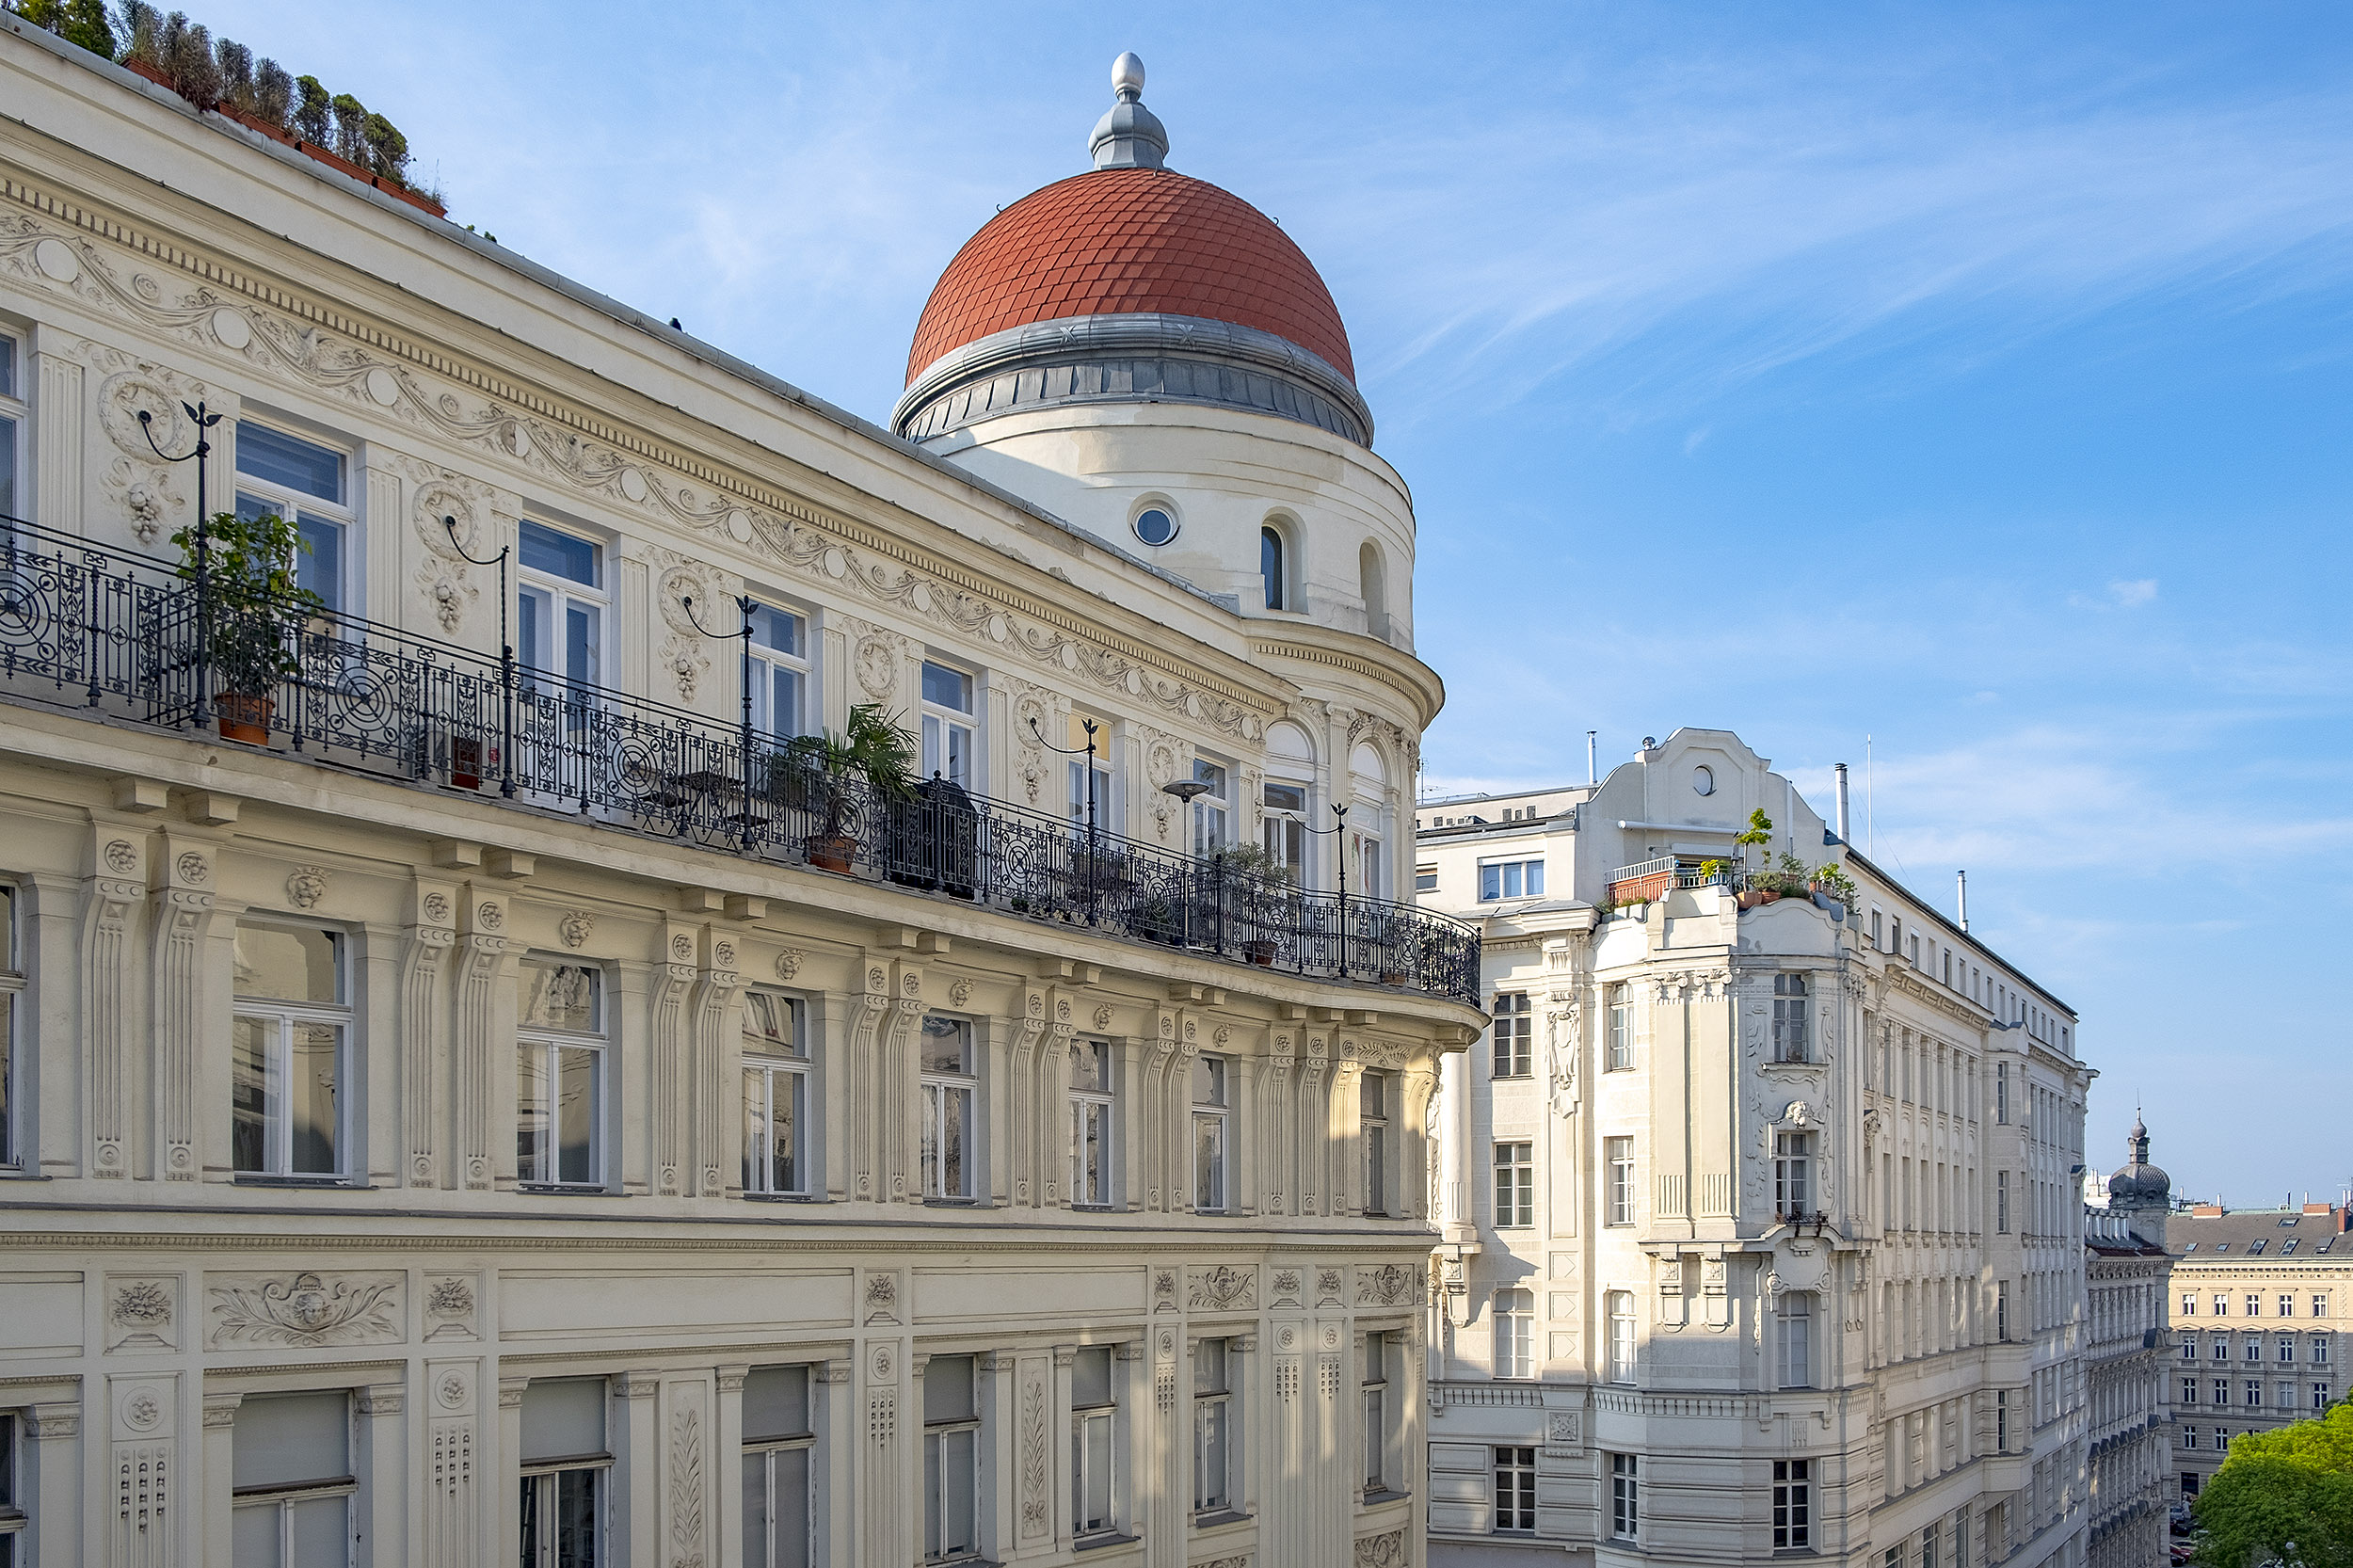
(1130, 135)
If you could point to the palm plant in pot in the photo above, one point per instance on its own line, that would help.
(822, 773)
(251, 614)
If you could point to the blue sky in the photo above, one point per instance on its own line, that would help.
(1970, 377)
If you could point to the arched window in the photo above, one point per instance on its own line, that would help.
(1373, 582)
(1272, 568)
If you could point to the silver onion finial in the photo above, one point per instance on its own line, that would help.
(1129, 135)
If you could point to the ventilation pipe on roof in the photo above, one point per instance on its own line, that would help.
(1963, 878)
(1842, 802)
(1592, 767)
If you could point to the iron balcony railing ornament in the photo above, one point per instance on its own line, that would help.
(125, 636)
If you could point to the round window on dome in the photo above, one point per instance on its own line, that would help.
(1155, 525)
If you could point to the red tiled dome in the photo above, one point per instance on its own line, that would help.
(1115, 241)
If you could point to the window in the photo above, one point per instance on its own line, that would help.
(2001, 1093)
(1620, 1029)
(1371, 876)
(2255, 1391)
(2189, 1304)
(1618, 1186)
(1789, 1024)
(11, 988)
(780, 650)
(1103, 803)
(11, 417)
(1425, 879)
(2220, 1347)
(1090, 1158)
(1793, 1170)
(1372, 1133)
(2001, 1310)
(287, 1068)
(775, 1095)
(1509, 1054)
(947, 729)
(285, 476)
(778, 1446)
(2189, 1390)
(2221, 1304)
(1212, 1113)
(1514, 1489)
(2320, 1349)
(1793, 1334)
(1793, 1505)
(559, 1077)
(1625, 1515)
(291, 1481)
(1282, 828)
(2320, 1305)
(12, 1493)
(2222, 1390)
(2189, 1348)
(1212, 1426)
(565, 1468)
(2285, 1349)
(2189, 1437)
(2001, 1420)
(2320, 1396)
(1619, 1307)
(1094, 1462)
(1875, 929)
(1272, 571)
(1510, 879)
(1515, 1185)
(1515, 1334)
(1376, 1392)
(1928, 1538)
(948, 1084)
(2001, 1202)
(559, 609)
(2284, 1396)
(1155, 525)
(952, 1429)
(2254, 1304)
(1212, 809)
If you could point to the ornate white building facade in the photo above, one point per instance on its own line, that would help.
(469, 1122)
(2128, 1360)
(1759, 1228)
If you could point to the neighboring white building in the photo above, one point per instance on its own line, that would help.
(471, 1124)
(2128, 1360)
(1761, 1230)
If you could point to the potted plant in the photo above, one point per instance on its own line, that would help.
(1258, 889)
(820, 774)
(254, 612)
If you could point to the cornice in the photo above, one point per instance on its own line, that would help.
(1354, 653)
(856, 1246)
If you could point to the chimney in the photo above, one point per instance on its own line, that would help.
(1963, 879)
(1842, 802)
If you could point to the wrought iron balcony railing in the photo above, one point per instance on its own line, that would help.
(129, 637)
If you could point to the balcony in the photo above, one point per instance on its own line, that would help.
(1647, 881)
(126, 637)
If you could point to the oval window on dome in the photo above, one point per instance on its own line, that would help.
(1155, 525)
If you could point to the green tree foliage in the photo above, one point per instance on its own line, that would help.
(77, 22)
(310, 117)
(351, 116)
(2283, 1496)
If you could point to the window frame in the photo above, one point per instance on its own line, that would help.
(1276, 567)
(554, 1043)
(941, 723)
(276, 496)
(16, 415)
(935, 1435)
(1519, 877)
(1792, 1032)
(556, 597)
(1514, 1161)
(1374, 1091)
(284, 1019)
(766, 1448)
(769, 1066)
(1793, 1175)
(1512, 1352)
(1084, 1422)
(12, 988)
(1374, 1402)
(15, 1510)
(1511, 1489)
(936, 1091)
(1214, 1408)
(1213, 810)
(1619, 1205)
(1103, 1104)
(769, 662)
(1512, 1026)
(1793, 1340)
(1214, 1117)
(1793, 1505)
(282, 1498)
(1619, 999)
(1624, 1338)
(1625, 1497)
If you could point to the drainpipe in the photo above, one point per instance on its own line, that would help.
(1842, 802)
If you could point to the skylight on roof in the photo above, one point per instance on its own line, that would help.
(2291, 1219)
(2287, 1246)
(2255, 1247)
(2326, 1245)
(2222, 1246)
(2191, 1248)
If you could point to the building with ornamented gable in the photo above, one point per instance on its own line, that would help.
(1760, 1221)
(481, 1085)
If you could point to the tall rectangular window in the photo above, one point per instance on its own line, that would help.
(1625, 1509)
(560, 600)
(951, 1431)
(949, 748)
(1502, 879)
(2001, 1420)
(2222, 1390)
(1282, 828)
(1213, 808)
(1618, 1310)
(1620, 1029)
(1212, 1116)
(1515, 1334)
(1793, 1505)
(2189, 1390)
(2254, 1303)
(2001, 1093)
(779, 672)
(289, 1038)
(2285, 1349)
(1376, 1411)
(776, 1095)
(2320, 1396)
(1091, 1160)
(2001, 1309)
(1514, 1489)
(1371, 875)
(1103, 802)
(1790, 1037)
(11, 995)
(950, 1084)
(1793, 1174)
(566, 1466)
(1793, 1325)
(1617, 1157)
(12, 1498)
(1509, 1054)
(2001, 1202)
(779, 1442)
(11, 420)
(2320, 1343)
(307, 485)
(559, 1075)
(1093, 1446)
(2255, 1391)
(291, 1478)
(1515, 1185)
(1373, 1136)
(1212, 1426)
(2287, 1305)
(2189, 1304)
(2320, 1305)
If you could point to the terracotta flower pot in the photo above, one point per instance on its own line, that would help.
(833, 854)
(1261, 953)
(245, 718)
